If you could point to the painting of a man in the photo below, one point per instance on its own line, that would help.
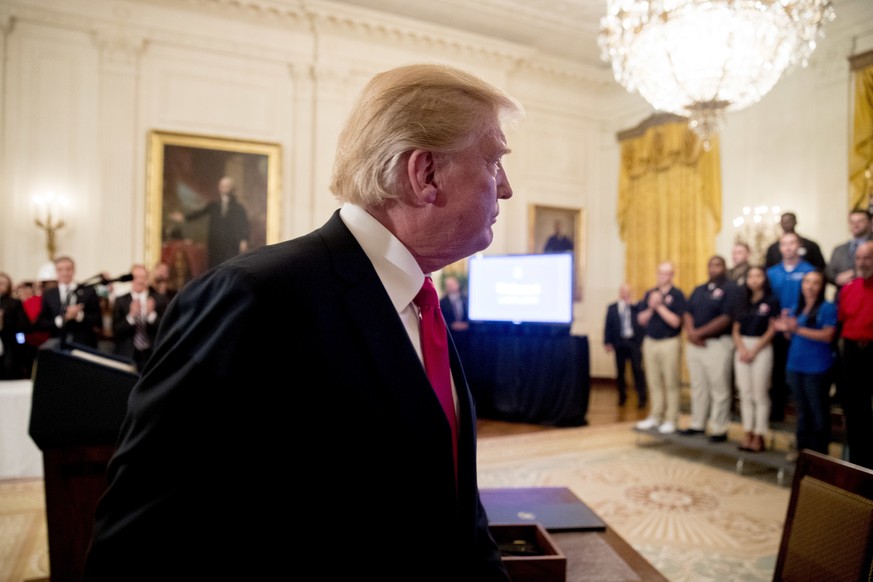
(558, 242)
(228, 224)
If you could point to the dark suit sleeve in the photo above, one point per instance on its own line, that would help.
(93, 312)
(834, 266)
(160, 308)
(814, 256)
(609, 328)
(773, 257)
(490, 567)
(447, 310)
(121, 328)
(46, 319)
(202, 211)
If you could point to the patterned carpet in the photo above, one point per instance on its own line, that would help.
(693, 521)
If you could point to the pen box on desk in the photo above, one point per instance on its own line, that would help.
(529, 553)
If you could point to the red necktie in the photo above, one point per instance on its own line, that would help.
(435, 348)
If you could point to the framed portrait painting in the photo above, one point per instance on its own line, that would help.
(208, 199)
(559, 230)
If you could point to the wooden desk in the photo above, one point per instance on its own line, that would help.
(594, 551)
(594, 556)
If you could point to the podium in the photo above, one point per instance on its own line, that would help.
(79, 402)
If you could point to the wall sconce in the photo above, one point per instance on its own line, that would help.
(49, 212)
(758, 228)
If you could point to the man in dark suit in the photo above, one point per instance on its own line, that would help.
(623, 336)
(135, 318)
(70, 311)
(228, 228)
(246, 452)
(841, 267)
(453, 304)
(558, 242)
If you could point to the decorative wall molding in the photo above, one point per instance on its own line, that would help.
(119, 48)
(262, 11)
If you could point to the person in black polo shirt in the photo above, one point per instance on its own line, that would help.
(660, 313)
(753, 332)
(707, 322)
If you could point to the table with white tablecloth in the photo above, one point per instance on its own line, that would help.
(19, 455)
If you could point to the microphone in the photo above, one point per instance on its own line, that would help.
(126, 278)
(103, 279)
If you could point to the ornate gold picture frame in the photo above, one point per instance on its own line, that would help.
(557, 229)
(183, 174)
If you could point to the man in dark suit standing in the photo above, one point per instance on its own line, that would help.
(331, 429)
(70, 311)
(135, 318)
(453, 304)
(623, 336)
(841, 267)
(228, 228)
(558, 242)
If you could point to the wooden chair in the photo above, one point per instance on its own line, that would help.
(828, 532)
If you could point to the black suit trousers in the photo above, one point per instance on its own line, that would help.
(630, 351)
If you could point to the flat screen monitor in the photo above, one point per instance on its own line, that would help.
(535, 288)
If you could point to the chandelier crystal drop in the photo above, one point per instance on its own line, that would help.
(701, 58)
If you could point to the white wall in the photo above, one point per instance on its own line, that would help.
(84, 82)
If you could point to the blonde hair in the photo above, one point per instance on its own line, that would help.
(431, 107)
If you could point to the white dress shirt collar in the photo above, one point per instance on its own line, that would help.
(396, 267)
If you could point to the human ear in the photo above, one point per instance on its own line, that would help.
(421, 169)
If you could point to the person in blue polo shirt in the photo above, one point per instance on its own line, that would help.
(811, 324)
(785, 278)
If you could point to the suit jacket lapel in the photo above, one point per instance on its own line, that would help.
(377, 322)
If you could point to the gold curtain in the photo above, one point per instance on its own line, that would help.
(669, 201)
(861, 150)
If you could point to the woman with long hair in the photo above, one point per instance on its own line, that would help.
(811, 326)
(753, 331)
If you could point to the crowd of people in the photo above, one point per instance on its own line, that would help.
(93, 313)
(767, 335)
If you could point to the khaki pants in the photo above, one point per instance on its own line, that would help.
(753, 384)
(661, 362)
(709, 369)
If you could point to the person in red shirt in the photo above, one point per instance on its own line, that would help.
(30, 295)
(855, 313)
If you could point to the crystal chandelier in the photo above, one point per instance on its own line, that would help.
(700, 58)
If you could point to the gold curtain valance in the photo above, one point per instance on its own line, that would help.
(659, 148)
(669, 203)
(861, 61)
